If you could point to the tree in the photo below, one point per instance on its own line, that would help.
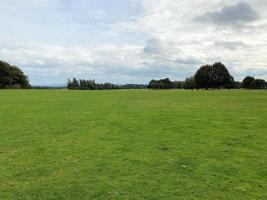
(213, 76)
(12, 77)
(222, 77)
(73, 84)
(161, 84)
(152, 84)
(179, 84)
(69, 84)
(83, 85)
(190, 83)
(231, 84)
(258, 84)
(238, 85)
(203, 76)
(247, 82)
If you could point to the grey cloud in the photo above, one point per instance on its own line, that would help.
(153, 46)
(254, 72)
(148, 72)
(230, 45)
(188, 61)
(239, 13)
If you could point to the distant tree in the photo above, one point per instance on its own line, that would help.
(108, 86)
(246, 83)
(222, 77)
(70, 85)
(73, 84)
(12, 77)
(238, 85)
(161, 84)
(83, 84)
(213, 76)
(203, 76)
(190, 83)
(179, 84)
(258, 84)
(91, 85)
(152, 84)
(167, 84)
(231, 84)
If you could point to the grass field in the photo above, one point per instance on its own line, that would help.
(133, 144)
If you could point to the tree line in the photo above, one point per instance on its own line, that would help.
(210, 76)
(12, 77)
(206, 77)
(83, 84)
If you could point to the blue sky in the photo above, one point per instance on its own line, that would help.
(132, 41)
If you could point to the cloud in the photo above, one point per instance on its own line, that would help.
(115, 63)
(231, 14)
(188, 61)
(153, 46)
(230, 45)
(59, 39)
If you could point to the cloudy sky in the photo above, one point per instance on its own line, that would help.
(132, 41)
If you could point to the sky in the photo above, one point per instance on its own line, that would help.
(132, 41)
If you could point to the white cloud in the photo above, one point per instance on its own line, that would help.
(163, 40)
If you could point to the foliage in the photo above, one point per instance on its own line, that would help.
(83, 84)
(214, 76)
(247, 82)
(179, 84)
(237, 85)
(161, 84)
(12, 77)
(207, 76)
(190, 83)
(258, 84)
(73, 84)
(250, 82)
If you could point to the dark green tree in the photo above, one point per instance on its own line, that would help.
(222, 77)
(161, 84)
(214, 76)
(179, 84)
(12, 77)
(190, 83)
(152, 84)
(203, 77)
(73, 84)
(247, 82)
(258, 84)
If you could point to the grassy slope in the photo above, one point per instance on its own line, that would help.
(133, 144)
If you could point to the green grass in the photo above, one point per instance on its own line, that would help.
(133, 144)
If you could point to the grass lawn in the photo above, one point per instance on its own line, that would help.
(133, 144)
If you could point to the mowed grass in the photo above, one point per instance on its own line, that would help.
(133, 144)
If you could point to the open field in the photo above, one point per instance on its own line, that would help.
(133, 144)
